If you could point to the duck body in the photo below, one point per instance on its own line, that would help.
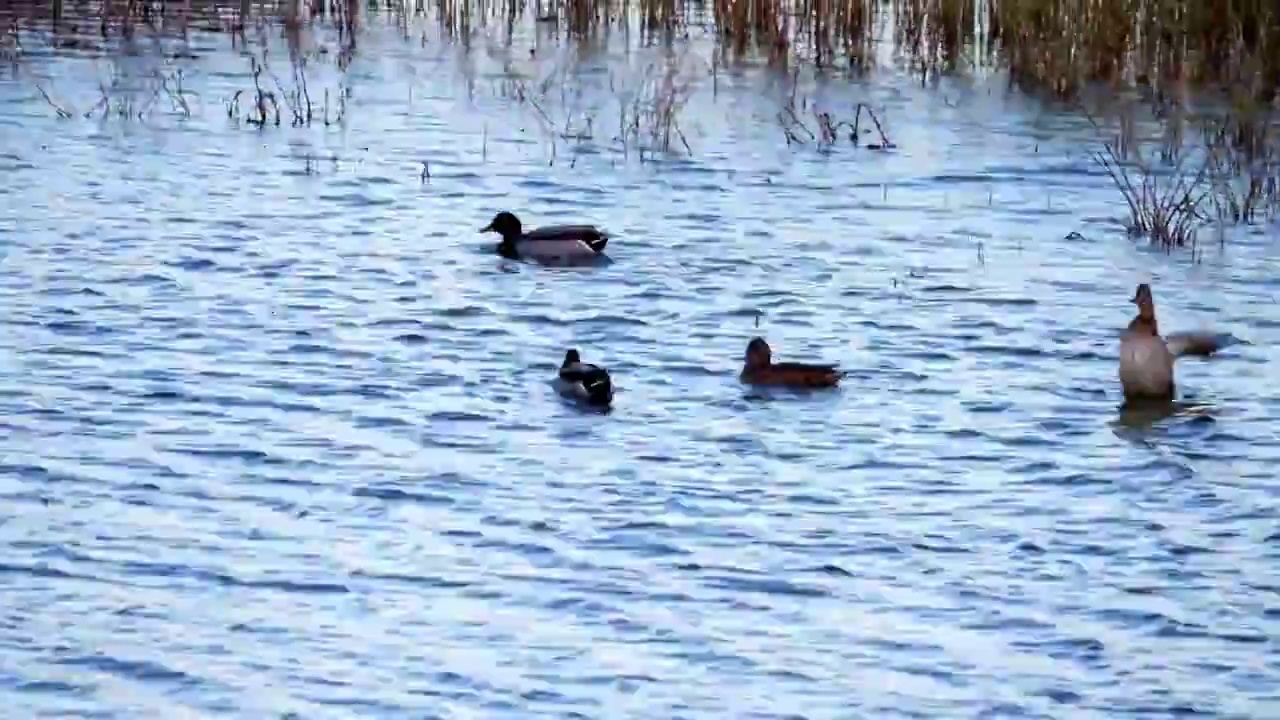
(1147, 359)
(793, 374)
(1146, 367)
(759, 369)
(549, 243)
(585, 382)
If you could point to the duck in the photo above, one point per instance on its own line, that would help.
(1147, 359)
(759, 369)
(584, 381)
(550, 242)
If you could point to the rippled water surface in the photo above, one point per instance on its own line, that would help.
(277, 437)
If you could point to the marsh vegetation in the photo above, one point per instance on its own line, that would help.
(1182, 93)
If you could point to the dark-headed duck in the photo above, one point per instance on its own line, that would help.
(1146, 359)
(759, 369)
(552, 242)
(584, 381)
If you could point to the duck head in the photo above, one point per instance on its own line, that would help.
(1142, 298)
(1146, 306)
(571, 358)
(505, 224)
(758, 354)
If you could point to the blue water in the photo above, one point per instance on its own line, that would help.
(277, 437)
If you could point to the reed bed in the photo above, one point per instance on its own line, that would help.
(1204, 72)
(1055, 46)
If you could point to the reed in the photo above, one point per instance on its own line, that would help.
(1059, 46)
(1214, 165)
(633, 110)
(1207, 71)
(1165, 205)
(1204, 73)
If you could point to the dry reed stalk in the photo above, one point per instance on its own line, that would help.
(1057, 45)
(1054, 45)
(1166, 204)
(648, 103)
(1171, 49)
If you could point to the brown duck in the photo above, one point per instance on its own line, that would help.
(759, 369)
(1146, 358)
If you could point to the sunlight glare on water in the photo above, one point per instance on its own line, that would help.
(277, 437)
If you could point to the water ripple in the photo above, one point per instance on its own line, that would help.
(277, 437)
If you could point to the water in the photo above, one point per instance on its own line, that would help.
(279, 440)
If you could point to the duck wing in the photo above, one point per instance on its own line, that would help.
(593, 380)
(809, 374)
(805, 367)
(1202, 344)
(584, 373)
(585, 233)
(592, 236)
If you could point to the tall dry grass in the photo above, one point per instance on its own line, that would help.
(1058, 46)
(1205, 71)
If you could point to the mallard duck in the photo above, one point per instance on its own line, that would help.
(552, 242)
(590, 383)
(759, 369)
(1146, 359)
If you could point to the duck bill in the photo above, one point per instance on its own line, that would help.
(487, 228)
